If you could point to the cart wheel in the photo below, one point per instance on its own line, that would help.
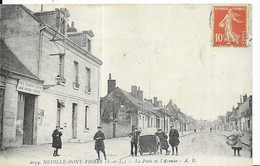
(141, 151)
(160, 149)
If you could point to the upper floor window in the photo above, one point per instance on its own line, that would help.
(76, 75)
(61, 66)
(89, 45)
(88, 80)
(76, 71)
(62, 26)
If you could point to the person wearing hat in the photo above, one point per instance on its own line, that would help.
(99, 144)
(134, 140)
(174, 139)
(163, 140)
(236, 134)
(56, 140)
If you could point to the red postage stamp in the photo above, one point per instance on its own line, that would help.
(230, 26)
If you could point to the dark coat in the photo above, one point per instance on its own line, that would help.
(56, 140)
(134, 136)
(99, 144)
(174, 137)
(163, 139)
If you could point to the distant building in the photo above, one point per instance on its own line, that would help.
(70, 93)
(245, 114)
(122, 111)
(240, 116)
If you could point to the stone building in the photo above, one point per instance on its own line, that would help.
(122, 111)
(19, 94)
(245, 114)
(240, 116)
(70, 95)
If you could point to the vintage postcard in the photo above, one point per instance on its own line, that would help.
(126, 84)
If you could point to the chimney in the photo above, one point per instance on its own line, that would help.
(150, 101)
(160, 104)
(139, 94)
(244, 98)
(111, 84)
(155, 101)
(134, 90)
(241, 99)
(72, 24)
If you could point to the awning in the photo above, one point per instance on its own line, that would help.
(61, 102)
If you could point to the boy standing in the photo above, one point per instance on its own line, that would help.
(99, 144)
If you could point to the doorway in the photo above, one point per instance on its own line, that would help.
(1, 116)
(74, 120)
(28, 122)
(114, 129)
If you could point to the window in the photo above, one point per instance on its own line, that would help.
(89, 45)
(76, 74)
(62, 26)
(61, 66)
(58, 113)
(86, 117)
(88, 81)
(76, 71)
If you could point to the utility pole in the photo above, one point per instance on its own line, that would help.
(149, 89)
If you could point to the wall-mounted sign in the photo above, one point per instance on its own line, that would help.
(29, 87)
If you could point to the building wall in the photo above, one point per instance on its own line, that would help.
(14, 117)
(49, 71)
(20, 33)
(10, 112)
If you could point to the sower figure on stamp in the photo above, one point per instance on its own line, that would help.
(174, 139)
(56, 140)
(163, 140)
(134, 140)
(99, 144)
(236, 136)
(230, 35)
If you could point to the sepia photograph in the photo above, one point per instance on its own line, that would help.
(126, 84)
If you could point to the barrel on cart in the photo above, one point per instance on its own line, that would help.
(149, 144)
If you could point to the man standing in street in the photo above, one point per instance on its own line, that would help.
(174, 139)
(99, 144)
(134, 140)
(163, 140)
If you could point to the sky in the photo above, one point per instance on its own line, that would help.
(167, 51)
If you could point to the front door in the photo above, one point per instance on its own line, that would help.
(1, 115)
(20, 118)
(28, 119)
(74, 121)
(114, 129)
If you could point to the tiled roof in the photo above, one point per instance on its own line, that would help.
(143, 105)
(9, 62)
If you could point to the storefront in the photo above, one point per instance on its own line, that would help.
(19, 91)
